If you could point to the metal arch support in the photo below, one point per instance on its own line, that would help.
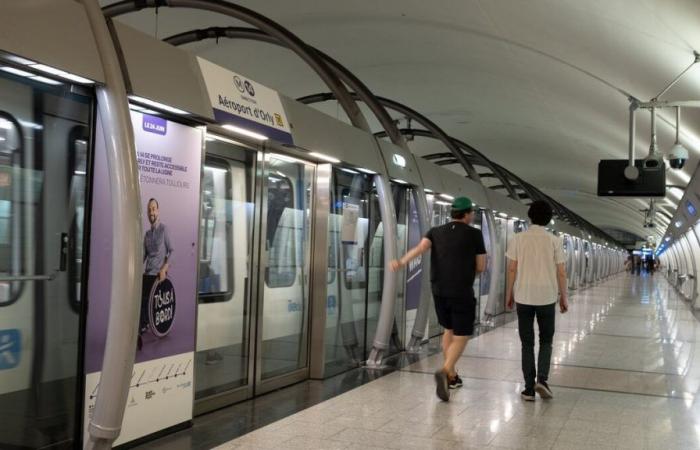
(127, 262)
(268, 26)
(415, 115)
(476, 154)
(362, 91)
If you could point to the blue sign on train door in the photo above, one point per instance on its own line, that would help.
(10, 348)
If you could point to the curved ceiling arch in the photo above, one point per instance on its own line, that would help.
(541, 88)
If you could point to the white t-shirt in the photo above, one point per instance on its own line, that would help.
(537, 252)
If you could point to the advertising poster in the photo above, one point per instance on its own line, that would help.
(161, 394)
(415, 267)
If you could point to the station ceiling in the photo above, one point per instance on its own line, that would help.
(540, 86)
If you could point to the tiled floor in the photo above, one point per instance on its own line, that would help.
(625, 375)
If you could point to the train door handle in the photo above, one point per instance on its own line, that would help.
(11, 278)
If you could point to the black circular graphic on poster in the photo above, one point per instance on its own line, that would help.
(161, 307)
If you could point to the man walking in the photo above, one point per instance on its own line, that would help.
(458, 254)
(536, 273)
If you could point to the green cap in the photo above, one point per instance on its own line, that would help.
(461, 204)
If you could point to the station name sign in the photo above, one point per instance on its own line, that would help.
(240, 101)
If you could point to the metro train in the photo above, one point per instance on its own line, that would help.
(258, 246)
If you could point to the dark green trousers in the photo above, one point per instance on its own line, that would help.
(545, 322)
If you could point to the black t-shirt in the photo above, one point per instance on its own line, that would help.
(453, 259)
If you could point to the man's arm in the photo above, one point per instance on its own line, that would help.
(512, 273)
(422, 247)
(563, 288)
(480, 263)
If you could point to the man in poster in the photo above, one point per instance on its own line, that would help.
(156, 258)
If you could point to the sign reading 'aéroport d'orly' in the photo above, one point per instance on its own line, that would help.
(244, 103)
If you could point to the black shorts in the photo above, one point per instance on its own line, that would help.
(456, 314)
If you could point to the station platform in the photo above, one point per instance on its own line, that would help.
(625, 375)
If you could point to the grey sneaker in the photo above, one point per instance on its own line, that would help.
(542, 388)
(442, 389)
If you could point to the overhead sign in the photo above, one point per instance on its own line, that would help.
(242, 102)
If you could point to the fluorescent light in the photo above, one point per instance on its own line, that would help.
(440, 202)
(214, 137)
(18, 59)
(367, 171)
(354, 172)
(13, 71)
(5, 124)
(516, 218)
(244, 132)
(400, 181)
(678, 223)
(79, 172)
(60, 73)
(504, 215)
(447, 197)
(323, 157)
(33, 125)
(428, 191)
(31, 76)
(141, 109)
(45, 80)
(157, 105)
(284, 158)
(215, 169)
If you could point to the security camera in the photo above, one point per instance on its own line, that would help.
(677, 156)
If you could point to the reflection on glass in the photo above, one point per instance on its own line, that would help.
(225, 236)
(348, 271)
(286, 291)
(42, 195)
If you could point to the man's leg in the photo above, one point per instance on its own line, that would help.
(454, 352)
(462, 314)
(446, 341)
(545, 322)
(526, 316)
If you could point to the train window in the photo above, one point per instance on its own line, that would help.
(11, 150)
(281, 239)
(216, 233)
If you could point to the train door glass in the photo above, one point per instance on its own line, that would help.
(513, 227)
(477, 279)
(499, 251)
(43, 164)
(286, 245)
(226, 235)
(440, 215)
(348, 257)
(376, 269)
(402, 197)
(485, 277)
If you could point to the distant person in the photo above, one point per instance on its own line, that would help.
(157, 253)
(536, 277)
(458, 254)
